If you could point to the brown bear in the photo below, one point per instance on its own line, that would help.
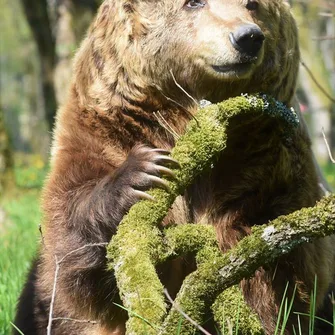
(144, 56)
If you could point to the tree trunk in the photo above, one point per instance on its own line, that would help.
(57, 37)
(6, 162)
(317, 46)
(38, 18)
(73, 18)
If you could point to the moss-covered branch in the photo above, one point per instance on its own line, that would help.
(217, 272)
(138, 244)
(231, 312)
(190, 238)
(135, 248)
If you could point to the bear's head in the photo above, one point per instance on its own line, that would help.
(213, 49)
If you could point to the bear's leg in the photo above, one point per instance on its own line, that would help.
(86, 290)
(29, 317)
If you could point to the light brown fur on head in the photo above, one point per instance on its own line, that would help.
(133, 46)
(140, 57)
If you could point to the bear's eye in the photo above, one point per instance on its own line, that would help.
(195, 4)
(252, 5)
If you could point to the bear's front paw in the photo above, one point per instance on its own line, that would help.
(143, 169)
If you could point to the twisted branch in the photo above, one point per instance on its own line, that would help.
(139, 244)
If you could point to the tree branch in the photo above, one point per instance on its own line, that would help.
(317, 83)
(138, 245)
(217, 272)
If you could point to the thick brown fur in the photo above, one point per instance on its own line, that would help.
(123, 74)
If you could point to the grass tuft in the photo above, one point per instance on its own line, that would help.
(18, 243)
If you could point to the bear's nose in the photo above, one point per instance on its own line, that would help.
(247, 39)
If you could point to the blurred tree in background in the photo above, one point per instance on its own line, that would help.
(38, 17)
(6, 159)
(39, 39)
(316, 24)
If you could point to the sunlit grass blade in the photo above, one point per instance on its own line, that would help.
(237, 317)
(223, 318)
(312, 308)
(16, 328)
(287, 311)
(299, 325)
(281, 310)
(315, 317)
(284, 311)
(179, 325)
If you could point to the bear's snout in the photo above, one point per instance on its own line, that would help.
(247, 39)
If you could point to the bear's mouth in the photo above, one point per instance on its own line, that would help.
(236, 68)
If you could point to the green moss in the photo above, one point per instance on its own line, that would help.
(231, 312)
(197, 293)
(187, 238)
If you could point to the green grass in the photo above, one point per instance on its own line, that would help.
(30, 171)
(329, 171)
(284, 311)
(18, 242)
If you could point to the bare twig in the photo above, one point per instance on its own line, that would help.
(187, 94)
(275, 271)
(54, 288)
(168, 98)
(75, 320)
(53, 296)
(178, 85)
(328, 147)
(41, 233)
(324, 189)
(317, 83)
(323, 38)
(175, 306)
(165, 125)
(326, 14)
(103, 244)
